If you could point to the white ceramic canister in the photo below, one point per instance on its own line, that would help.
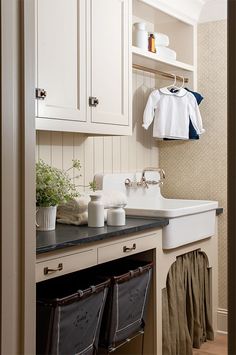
(140, 34)
(46, 218)
(95, 212)
(116, 216)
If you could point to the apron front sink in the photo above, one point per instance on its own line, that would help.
(189, 220)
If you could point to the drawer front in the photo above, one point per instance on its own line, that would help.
(48, 269)
(126, 248)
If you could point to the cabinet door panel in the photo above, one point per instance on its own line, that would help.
(110, 60)
(61, 58)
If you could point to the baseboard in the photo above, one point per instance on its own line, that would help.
(222, 321)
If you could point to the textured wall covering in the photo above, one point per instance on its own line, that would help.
(198, 169)
(105, 154)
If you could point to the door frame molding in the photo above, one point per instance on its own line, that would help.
(17, 177)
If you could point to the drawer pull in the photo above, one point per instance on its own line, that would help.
(48, 271)
(127, 249)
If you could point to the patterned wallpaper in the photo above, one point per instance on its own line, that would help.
(198, 169)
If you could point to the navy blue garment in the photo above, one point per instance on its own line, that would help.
(198, 96)
(192, 131)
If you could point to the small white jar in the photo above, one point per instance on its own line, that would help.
(95, 212)
(116, 216)
(140, 35)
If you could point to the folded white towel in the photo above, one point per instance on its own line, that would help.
(76, 210)
(75, 219)
(69, 218)
(76, 206)
(80, 204)
(161, 39)
(166, 53)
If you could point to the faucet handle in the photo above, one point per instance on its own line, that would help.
(144, 182)
(163, 173)
(128, 182)
(135, 184)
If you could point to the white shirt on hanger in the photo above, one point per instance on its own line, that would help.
(171, 112)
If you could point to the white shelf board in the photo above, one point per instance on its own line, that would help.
(154, 61)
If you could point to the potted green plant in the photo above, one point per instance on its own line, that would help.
(53, 187)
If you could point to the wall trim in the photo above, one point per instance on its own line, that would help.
(18, 240)
(222, 321)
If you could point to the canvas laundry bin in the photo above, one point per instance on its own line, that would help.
(125, 310)
(69, 314)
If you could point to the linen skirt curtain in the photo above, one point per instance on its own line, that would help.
(186, 303)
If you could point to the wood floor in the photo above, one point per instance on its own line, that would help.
(216, 347)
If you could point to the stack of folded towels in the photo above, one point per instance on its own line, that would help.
(76, 211)
(162, 42)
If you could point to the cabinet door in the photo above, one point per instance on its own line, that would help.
(110, 60)
(61, 59)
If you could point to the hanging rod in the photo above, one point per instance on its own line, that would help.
(159, 72)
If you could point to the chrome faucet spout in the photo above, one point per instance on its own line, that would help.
(145, 182)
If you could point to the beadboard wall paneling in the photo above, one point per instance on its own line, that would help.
(104, 154)
(198, 169)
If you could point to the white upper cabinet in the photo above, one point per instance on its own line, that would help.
(84, 66)
(61, 59)
(110, 60)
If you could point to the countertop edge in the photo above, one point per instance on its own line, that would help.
(159, 222)
(154, 223)
(219, 211)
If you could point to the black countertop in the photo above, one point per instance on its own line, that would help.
(69, 235)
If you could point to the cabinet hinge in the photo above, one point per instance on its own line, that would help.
(40, 93)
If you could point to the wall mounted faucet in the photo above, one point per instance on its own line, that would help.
(144, 182)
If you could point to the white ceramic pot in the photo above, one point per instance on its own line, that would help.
(116, 216)
(46, 218)
(140, 35)
(95, 212)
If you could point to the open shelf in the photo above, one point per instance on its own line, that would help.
(153, 61)
(158, 17)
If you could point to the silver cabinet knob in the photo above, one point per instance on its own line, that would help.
(93, 101)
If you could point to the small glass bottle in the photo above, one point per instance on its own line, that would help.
(95, 212)
(151, 43)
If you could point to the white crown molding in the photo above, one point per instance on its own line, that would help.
(213, 10)
(185, 10)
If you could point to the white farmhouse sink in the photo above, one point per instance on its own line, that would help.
(189, 220)
(170, 208)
